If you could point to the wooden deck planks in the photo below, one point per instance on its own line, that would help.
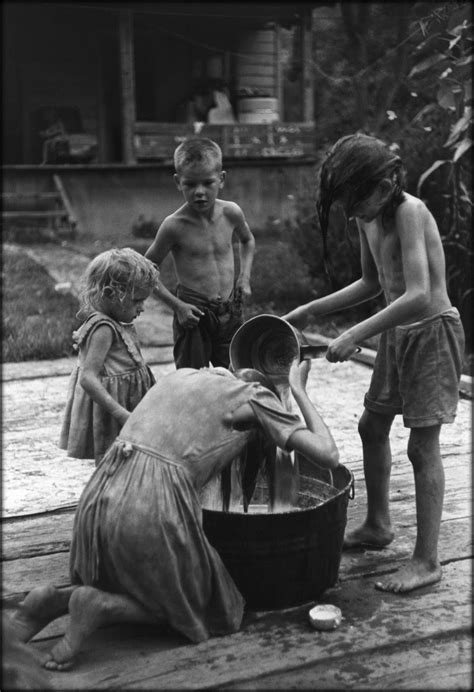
(434, 664)
(375, 624)
(414, 641)
(22, 573)
(420, 640)
(35, 548)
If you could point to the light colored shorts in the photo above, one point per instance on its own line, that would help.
(417, 371)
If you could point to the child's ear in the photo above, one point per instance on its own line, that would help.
(223, 176)
(177, 181)
(108, 292)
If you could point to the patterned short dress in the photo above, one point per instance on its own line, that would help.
(87, 429)
(138, 526)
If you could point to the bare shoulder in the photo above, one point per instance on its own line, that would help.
(174, 222)
(413, 209)
(231, 211)
(102, 336)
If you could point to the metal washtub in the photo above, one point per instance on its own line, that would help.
(285, 559)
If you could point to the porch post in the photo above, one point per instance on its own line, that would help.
(278, 69)
(127, 85)
(307, 66)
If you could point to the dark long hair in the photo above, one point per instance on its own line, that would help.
(352, 169)
(258, 455)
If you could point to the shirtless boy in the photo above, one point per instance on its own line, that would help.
(419, 358)
(208, 302)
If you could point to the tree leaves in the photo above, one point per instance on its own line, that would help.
(426, 64)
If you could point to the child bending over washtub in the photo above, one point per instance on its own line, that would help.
(139, 552)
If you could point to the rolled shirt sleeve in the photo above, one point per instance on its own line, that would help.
(277, 423)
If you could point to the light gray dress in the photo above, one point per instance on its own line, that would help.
(88, 429)
(138, 527)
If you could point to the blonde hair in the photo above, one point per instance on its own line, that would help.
(200, 150)
(113, 274)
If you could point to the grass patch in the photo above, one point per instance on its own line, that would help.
(37, 320)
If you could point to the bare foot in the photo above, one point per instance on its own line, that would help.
(41, 605)
(366, 536)
(412, 576)
(88, 610)
(61, 656)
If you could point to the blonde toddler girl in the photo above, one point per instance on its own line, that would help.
(111, 376)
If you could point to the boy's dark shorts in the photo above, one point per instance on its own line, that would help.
(417, 371)
(208, 342)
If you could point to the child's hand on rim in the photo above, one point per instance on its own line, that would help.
(298, 376)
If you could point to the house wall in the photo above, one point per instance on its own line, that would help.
(67, 55)
(55, 59)
(256, 62)
(108, 201)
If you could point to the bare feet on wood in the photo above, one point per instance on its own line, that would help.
(42, 605)
(368, 537)
(86, 615)
(412, 576)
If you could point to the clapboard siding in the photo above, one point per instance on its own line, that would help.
(256, 65)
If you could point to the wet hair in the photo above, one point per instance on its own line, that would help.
(197, 150)
(251, 375)
(351, 171)
(258, 455)
(115, 273)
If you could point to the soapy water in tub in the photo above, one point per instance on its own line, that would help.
(312, 494)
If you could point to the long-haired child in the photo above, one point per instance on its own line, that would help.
(419, 359)
(111, 376)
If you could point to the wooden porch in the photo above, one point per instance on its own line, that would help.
(420, 640)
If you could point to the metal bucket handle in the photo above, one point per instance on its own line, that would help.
(316, 350)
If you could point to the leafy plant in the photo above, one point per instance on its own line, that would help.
(280, 279)
(445, 73)
(402, 72)
(145, 228)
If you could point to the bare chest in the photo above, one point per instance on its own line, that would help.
(207, 241)
(385, 248)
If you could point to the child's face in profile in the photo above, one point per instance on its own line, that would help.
(200, 185)
(366, 209)
(129, 307)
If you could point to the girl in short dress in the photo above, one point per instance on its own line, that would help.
(111, 376)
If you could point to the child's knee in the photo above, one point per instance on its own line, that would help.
(423, 448)
(373, 428)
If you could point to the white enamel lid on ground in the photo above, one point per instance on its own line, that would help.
(325, 617)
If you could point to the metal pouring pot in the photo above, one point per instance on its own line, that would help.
(270, 344)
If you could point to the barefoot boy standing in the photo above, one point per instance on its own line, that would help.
(418, 364)
(208, 302)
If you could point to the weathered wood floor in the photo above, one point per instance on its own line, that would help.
(416, 641)
(420, 640)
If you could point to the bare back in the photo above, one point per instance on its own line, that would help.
(408, 256)
(201, 246)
